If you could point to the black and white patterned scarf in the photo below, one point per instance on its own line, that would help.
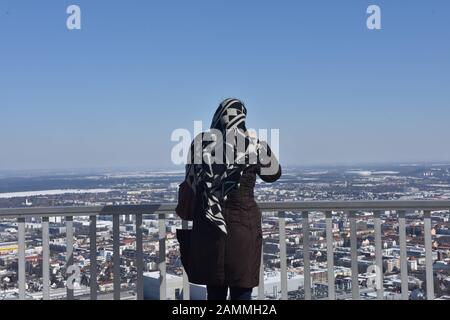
(238, 150)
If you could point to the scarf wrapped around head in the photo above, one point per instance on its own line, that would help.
(237, 149)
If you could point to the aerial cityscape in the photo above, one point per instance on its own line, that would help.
(339, 183)
(129, 133)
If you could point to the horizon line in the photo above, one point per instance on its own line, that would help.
(104, 169)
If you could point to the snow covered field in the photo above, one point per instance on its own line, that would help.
(50, 192)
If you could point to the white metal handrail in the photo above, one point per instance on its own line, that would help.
(347, 207)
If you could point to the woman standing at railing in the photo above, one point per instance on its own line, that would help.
(223, 249)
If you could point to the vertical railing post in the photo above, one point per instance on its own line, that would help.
(330, 255)
(428, 255)
(162, 256)
(283, 255)
(93, 256)
(45, 259)
(354, 255)
(21, 257)
(116, 256)
(378, 256)
(306, 257)
(139, 259)
(261, 295)
(69, 255)
(186, 286)
(403, 254)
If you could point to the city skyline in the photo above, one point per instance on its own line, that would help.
(333, 235)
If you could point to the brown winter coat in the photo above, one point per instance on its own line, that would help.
(212, 257)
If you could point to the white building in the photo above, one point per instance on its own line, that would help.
(272, 286)
(174, 287)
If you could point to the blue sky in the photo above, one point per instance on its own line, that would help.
(112, 93)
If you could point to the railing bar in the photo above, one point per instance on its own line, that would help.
(69, 254)
(21, 257)
(139, 259)
(116, 256)
(186, 286)
(93, 256)
(45, 259)
(261, 295)
(162, 256)
(354, 255)
(306, 257)
(283, 255)
(378, 256)
(167, 208)
(330, 256)
(403, 254)
(428, 255)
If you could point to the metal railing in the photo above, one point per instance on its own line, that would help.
(162, 210)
